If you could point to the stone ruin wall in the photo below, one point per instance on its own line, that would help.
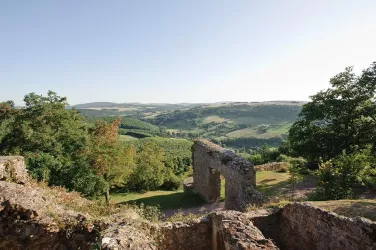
(25, 223)
(303, 226)
(210, 161)
(294, 227)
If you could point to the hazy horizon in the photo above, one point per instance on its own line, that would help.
(181, 51)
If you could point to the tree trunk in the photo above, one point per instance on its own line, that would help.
(107, 195)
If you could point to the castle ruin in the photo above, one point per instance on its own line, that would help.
(210, 161)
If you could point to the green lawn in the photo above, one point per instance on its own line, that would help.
(270, 183)
(163, 199)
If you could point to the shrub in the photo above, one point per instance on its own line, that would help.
(172, 182)
(338, 176)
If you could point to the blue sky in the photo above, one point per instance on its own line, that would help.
(181, 51)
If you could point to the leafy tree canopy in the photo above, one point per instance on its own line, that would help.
(341, 118)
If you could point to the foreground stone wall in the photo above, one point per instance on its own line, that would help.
(33, 216)
(210, 161)
(303, 226)
(227, 230)
(180, 236)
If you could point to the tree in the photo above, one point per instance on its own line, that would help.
(340, 118)
(112, 161)
(51, 137)
(150, 171)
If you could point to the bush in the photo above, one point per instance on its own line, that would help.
(338, 176)
(172, 182)
(298, 162)
(283, 168)
(256, 159)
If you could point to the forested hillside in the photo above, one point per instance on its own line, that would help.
(236, 125)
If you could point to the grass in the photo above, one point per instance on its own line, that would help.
(214, 118)
(350, 208)
(250, 132)
(163, 199)
(127, 138)
(248, 120)
(280, 128)
(270, 183)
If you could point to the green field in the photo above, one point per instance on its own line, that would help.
(126, 138)
(251, 132)
(215, 119)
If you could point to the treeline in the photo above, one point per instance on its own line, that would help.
(62, 148)
(130, 126)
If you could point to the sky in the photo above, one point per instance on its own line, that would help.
(174, 51)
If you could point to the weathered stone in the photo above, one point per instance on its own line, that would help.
(12, 168)
(33, 216)
(235, 231)
(303, 226)
(228, 230)
(183, 236)
(188, 185)
(209, 162)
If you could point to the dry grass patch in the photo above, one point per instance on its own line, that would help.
(349, 208)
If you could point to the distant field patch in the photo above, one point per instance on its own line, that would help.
(248, 120)
(250, 132)
(127, 138)
(280, 128)
(150, 115)
(112, 108)
(214, 118)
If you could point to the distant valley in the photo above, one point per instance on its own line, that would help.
(232, 124)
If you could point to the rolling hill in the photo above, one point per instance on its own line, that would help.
(234, 124)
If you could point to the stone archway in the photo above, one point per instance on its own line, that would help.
(209, 162)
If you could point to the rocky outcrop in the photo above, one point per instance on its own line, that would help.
(31, 218)
(12, 168)
(210, 161)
